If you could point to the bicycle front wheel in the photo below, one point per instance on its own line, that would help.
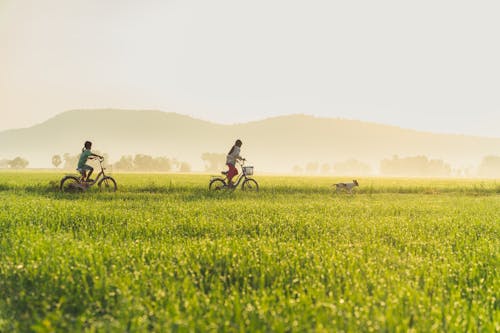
(107, 184)
(250, 185)
(216, 184)
(70, 184)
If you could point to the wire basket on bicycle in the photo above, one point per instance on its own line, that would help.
(247, 170)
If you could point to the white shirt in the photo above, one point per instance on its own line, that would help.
(231, 158)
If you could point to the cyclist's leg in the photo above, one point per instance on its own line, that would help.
(82, 173)
(231, 173)
(90, 170)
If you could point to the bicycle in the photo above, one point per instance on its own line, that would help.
(72, 184)
(249, 184)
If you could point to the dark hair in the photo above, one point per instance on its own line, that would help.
(237, 143)
(87, 145)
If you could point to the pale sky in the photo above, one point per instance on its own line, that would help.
(430, 65)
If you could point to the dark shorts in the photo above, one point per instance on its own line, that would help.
(84, 168)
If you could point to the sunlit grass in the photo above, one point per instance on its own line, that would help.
(165, 254)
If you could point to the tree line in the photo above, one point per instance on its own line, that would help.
(16, 163)
(138, 162)
(351, 166)
(415, 166)
(214, 162)
(420, 166)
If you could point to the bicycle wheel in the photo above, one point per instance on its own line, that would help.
(107, 184)
(70, 184)
(217, 184)
(250, 185)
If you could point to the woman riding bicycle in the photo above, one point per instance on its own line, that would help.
(232, 157)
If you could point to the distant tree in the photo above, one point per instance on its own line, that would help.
(489, 167)
(175, 164)
(214, 162)
(414, 166)
(70, 161)
(466, 171)
(391, 167)
(297, 169)
(351, 167)
(163, 164)
(148, 163)
(4, 163)
(143, 162)
(312, 167)
(18, 163)
(185, 167)
(126, 163)
(56, 160)
(325, 168)
(437, 168)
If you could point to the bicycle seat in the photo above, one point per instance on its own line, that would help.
(224, 172)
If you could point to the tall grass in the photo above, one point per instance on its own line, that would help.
(164, 254)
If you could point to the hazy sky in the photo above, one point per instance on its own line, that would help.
(428, 64)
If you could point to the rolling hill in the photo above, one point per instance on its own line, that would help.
(274, 144)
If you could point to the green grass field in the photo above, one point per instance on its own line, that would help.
(164, 254)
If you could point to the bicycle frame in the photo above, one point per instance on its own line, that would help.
(99, 175)
(241, 176)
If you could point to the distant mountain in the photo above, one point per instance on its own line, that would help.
(274, 144)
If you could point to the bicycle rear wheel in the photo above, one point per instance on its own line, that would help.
(70, 184)
(250, 185)
(107, 184)
(217, 184)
